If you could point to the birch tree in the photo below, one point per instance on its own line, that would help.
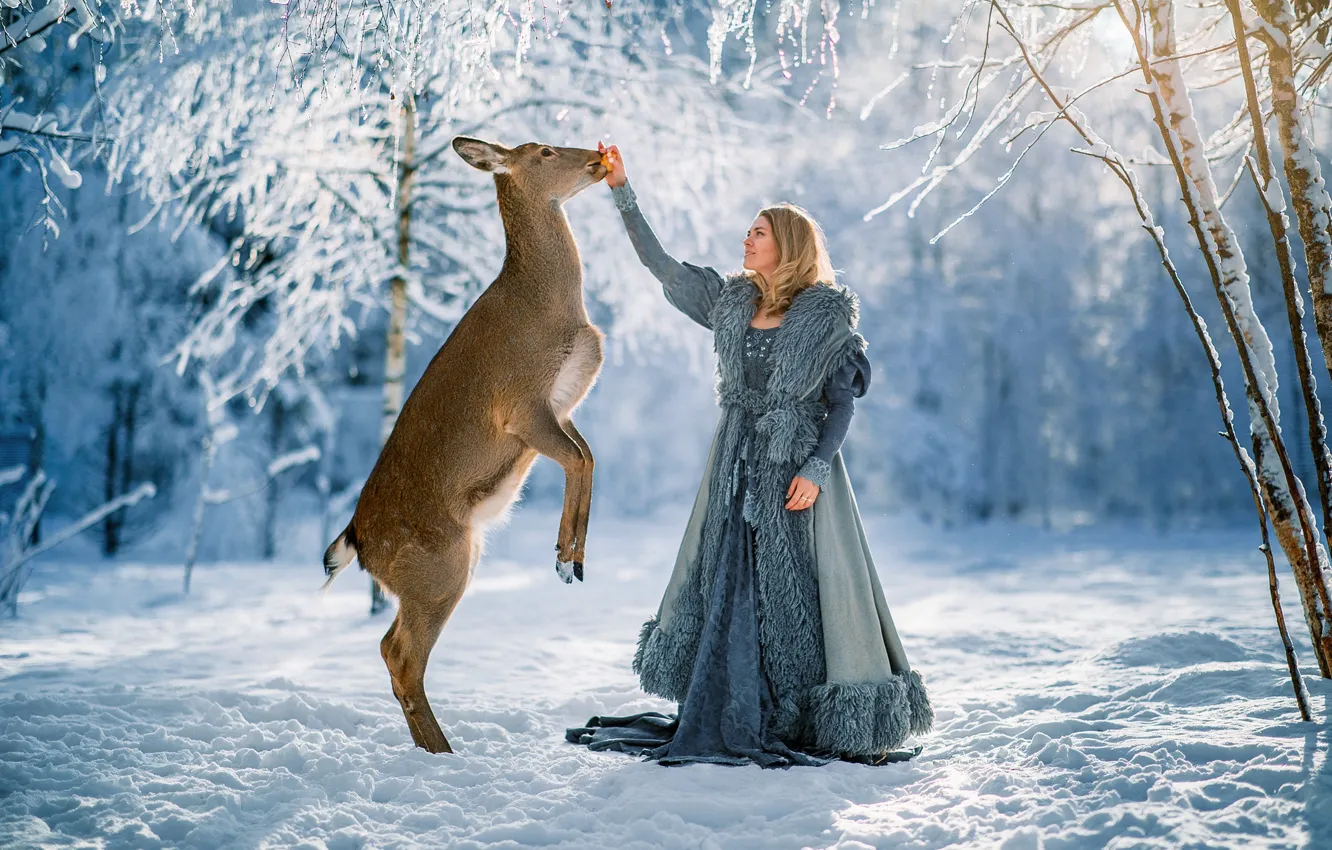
(1272, 196)
(1042, 33)
(1287, 505)
(1277, 29)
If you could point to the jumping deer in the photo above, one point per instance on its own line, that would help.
(500, 390)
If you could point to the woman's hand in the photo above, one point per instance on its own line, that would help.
(801, 494)
(615, 175)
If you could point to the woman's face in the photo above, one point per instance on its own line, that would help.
(761, 248)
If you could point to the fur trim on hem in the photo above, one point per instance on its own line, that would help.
(664, 662)
(869, 718)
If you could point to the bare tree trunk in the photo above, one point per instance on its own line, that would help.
(396, 365)
(127, 445)
(1292, 664)
(395, 369)
(324, 483)
(206, 457)
(1309, 196)
(36, 409)
(989, 507)
(274, 493)
(119, 460)
(1287, 506)
(111, 525)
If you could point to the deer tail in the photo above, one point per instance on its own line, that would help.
(339, 554)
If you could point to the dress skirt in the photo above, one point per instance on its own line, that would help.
(724, 716)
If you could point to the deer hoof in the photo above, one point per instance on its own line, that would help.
(568, 569)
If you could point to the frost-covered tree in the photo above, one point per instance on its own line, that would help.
(345, 192)
(334, 182)
(48, 100)
(1296, 37)
(89, 318)
(54, 56)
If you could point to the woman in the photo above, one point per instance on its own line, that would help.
(773, 633)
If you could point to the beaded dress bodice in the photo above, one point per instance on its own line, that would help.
(758, 363)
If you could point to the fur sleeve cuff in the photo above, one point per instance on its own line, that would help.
(817, 470)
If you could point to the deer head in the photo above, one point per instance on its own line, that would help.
(539, 172)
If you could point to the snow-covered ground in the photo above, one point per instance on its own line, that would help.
(1091, 689)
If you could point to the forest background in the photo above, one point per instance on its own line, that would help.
(202, 239)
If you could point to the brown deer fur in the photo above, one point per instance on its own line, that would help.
(500, 390)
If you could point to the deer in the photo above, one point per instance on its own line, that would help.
(501, 390)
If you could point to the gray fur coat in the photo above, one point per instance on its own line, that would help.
(829, 647)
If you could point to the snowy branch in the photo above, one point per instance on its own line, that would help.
(28, 511)
(34, 24)
(275, 468)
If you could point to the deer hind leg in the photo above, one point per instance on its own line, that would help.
(428, 589)
(540, 430)
(584, 493)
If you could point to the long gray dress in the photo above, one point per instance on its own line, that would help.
(724, 716)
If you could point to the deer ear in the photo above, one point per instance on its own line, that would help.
(486, 156)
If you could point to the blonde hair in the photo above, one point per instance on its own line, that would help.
(802, 257)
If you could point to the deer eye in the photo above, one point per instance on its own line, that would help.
(547, 152)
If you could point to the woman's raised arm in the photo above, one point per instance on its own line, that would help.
(691, 289)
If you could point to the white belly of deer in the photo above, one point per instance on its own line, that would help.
(494, 509)
(576, 376)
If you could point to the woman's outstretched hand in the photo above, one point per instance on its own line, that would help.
(801, 494)
(614, 163)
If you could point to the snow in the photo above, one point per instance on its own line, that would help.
(1274, 196)
(67, 176)
(1092, 689)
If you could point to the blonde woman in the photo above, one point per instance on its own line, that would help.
(773, 633)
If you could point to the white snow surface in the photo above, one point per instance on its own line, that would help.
(1092, 689)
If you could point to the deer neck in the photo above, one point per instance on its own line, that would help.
(541, 255)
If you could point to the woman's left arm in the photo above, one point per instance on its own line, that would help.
(846, 384)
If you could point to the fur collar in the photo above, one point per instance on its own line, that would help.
(819, 326)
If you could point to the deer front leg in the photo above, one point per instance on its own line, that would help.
(540, 430)
(585, 501)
